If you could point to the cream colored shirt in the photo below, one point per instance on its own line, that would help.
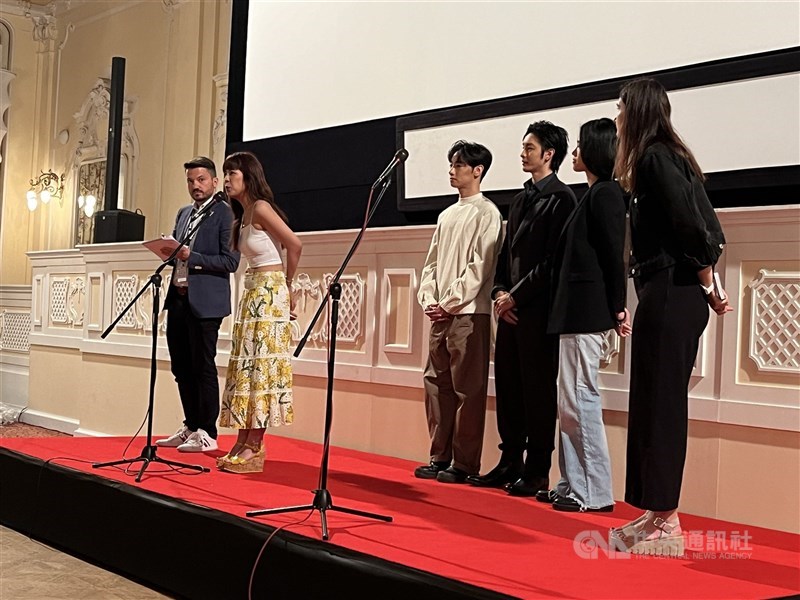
(459, 269)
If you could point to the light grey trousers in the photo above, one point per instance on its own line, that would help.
(583, 449)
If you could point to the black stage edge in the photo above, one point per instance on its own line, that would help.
(189, 551)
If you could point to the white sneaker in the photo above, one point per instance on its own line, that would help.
(199, 441)
(176, 439)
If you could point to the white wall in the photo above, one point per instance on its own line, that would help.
(312, 65)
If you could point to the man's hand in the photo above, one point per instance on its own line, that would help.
(183, 253)
(506, 308)
(436, 313)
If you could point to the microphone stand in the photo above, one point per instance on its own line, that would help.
(323, 501)
(148, 454)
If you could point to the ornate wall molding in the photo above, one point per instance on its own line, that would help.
(91, 146)
(220, 127)
(382, 334)
(67, 300)
(775, 321)
(6, 77)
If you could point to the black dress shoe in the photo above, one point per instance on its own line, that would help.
(546, 496)
(452, 475)
(567, 504)
(430, 471)
(499, 476)
(527, 487)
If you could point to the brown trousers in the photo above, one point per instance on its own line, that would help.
(456, 379)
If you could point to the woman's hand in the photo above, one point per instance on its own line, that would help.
(717, 304)
(292, 314)
(623, 327)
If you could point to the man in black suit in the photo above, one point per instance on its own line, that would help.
(526, 357)
(199, 297)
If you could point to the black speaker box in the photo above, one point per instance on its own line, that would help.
(118, 226)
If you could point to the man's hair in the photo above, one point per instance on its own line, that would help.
(551, 137)
(472, 154)
(598, 142)
(201, 162)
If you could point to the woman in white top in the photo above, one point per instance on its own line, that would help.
(258, 386)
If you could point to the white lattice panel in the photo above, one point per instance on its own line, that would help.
(14, 329)
(125, 288)
(775, 321)
(59, 286)
(350, 307)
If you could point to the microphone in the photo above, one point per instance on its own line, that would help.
(215, 199)
(399, 157)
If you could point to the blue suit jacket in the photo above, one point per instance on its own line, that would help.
(211, 263)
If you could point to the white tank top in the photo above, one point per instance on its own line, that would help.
(258, 247)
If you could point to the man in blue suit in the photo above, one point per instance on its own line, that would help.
(199, 297)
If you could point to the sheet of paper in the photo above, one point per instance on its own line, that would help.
(162, 247)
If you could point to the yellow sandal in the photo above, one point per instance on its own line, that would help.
(253, 464)
(226, 460)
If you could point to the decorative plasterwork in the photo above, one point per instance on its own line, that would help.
(92, 124)
(775, 321)
(5, 102)
(610, 347)
(169, 5)
(92, 134)
(45, 31)
(221, 119)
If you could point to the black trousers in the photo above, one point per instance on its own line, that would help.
(526, 373)
(192, 346)
(669, 321)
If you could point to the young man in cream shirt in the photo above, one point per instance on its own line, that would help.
(454, 291)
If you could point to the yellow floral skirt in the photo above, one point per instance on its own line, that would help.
(258, 385)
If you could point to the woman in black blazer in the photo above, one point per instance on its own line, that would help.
(588, 299)
(676, 240)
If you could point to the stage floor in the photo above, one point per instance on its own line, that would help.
(481, 537)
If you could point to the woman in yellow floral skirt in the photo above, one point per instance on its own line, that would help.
(258, 386)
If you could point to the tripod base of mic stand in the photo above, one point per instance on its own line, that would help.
(322, 503)
(148, 456)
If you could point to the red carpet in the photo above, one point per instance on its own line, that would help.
(483, 537)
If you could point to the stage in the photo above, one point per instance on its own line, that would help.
(186, 534)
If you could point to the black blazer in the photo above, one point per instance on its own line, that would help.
(524, 266)
(672, 220)
(210, 263)
(588, 268)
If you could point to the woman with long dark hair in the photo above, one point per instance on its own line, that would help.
(676, 241)
(258, 385)
(588, 300)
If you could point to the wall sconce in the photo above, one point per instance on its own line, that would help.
(87, 201)
(48, 185)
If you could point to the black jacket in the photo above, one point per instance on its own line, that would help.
(588, 268)
(525, 263)
(672, 220)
